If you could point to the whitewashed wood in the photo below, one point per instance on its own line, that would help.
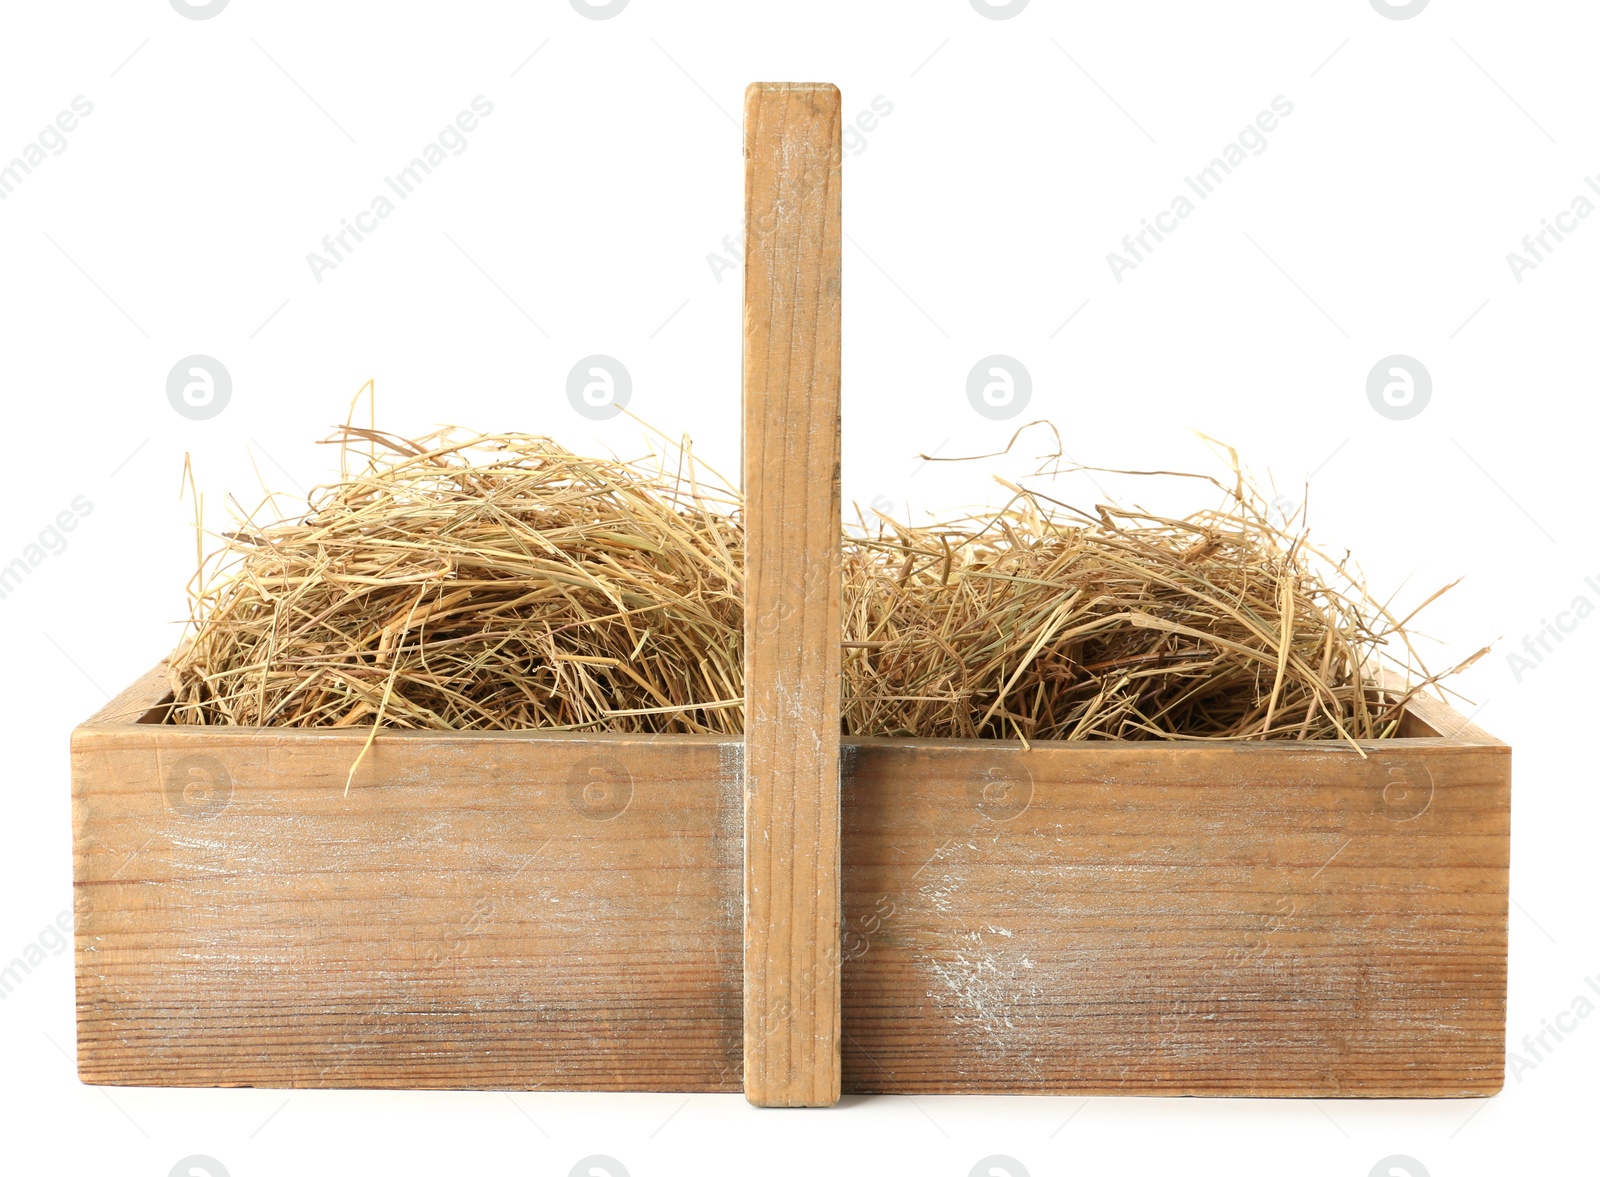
(1083, 918)
(792, 594)
(1266, 919)
(479, 912)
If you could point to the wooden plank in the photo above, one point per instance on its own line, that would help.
(1273, 919)
(139, 703)
(1427, 717)
(482, 911)
(1253, 919)
(792, 607)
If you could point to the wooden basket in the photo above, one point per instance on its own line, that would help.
(789, 913)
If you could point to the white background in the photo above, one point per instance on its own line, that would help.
(579, 220)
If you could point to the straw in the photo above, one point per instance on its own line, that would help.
(463, 581)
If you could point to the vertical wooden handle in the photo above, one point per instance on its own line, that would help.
(792, 610)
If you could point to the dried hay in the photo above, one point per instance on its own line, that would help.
(499, 581)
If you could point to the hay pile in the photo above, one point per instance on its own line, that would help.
(503, 582)
(475, 582)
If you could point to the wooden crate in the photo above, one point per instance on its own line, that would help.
(789, 914)
(565, 912)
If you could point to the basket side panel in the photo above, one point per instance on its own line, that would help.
(479, 912)
(1245, 920)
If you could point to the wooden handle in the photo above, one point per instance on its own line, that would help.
(792, 611)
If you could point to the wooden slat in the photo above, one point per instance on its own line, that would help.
(792, 611)
(482, 911)
(1255, 919)
(139, 703)
(1428, 717)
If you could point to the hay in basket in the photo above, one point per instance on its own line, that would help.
(467, 581)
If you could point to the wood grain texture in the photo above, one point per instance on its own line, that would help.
(1250, 919)
(792, 612)
(484, 912)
